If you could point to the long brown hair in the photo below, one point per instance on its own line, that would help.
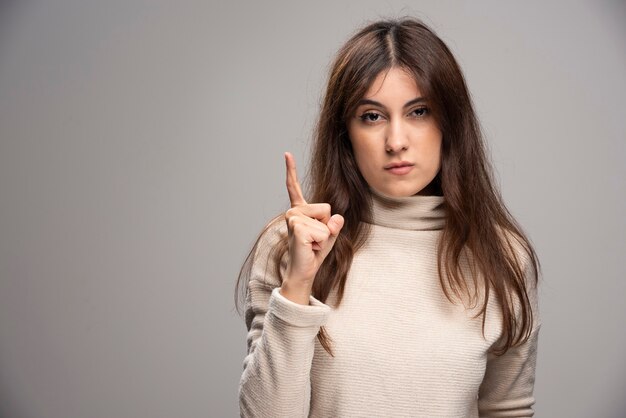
(478, 225)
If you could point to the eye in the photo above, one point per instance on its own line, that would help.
(420, 112)
(369, 117)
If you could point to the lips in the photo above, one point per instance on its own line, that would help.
(398, 164)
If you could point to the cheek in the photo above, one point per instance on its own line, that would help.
(361, 144)
(436, 148)
(364, 153)
(433, 146)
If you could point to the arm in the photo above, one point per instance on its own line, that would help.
(507, 388)
(281, 339)
(508, 384)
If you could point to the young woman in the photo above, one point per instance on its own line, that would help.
(407, 289)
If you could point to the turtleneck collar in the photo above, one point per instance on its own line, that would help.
(417, 212)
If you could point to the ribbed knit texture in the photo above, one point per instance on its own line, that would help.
(402, 349)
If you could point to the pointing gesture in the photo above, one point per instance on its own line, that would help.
(312, 233)
(293, 185)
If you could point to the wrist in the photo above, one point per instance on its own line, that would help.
(298, 293)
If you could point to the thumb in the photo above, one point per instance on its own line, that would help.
(335, 223)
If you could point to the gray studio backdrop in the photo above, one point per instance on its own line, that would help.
(141, 152)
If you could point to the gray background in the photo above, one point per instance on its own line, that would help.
(141, 154)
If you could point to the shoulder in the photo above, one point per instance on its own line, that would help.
(264, 258)
(514, 244)
(521, 249)
(272, 233)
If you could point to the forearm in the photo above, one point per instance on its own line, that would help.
(276, 377)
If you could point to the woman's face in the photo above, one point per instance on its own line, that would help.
(393, 124)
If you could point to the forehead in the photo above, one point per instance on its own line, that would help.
(393, 83)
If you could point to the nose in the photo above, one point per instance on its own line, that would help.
(396, 137)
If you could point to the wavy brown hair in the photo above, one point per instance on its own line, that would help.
(478, 226)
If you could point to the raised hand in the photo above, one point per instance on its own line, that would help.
(312, 234)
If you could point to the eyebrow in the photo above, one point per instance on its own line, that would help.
(407, 104)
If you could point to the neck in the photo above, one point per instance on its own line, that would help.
(417, 212)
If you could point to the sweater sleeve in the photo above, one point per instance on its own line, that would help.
(508, 384)
(281, 339)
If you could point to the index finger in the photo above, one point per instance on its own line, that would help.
(293, 185)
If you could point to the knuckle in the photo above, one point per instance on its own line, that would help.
(322, 228)
(297, 228)
(326, 207)
(293, 212)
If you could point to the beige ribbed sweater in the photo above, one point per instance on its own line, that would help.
(401, 348)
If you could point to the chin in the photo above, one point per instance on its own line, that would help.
(402, 191)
